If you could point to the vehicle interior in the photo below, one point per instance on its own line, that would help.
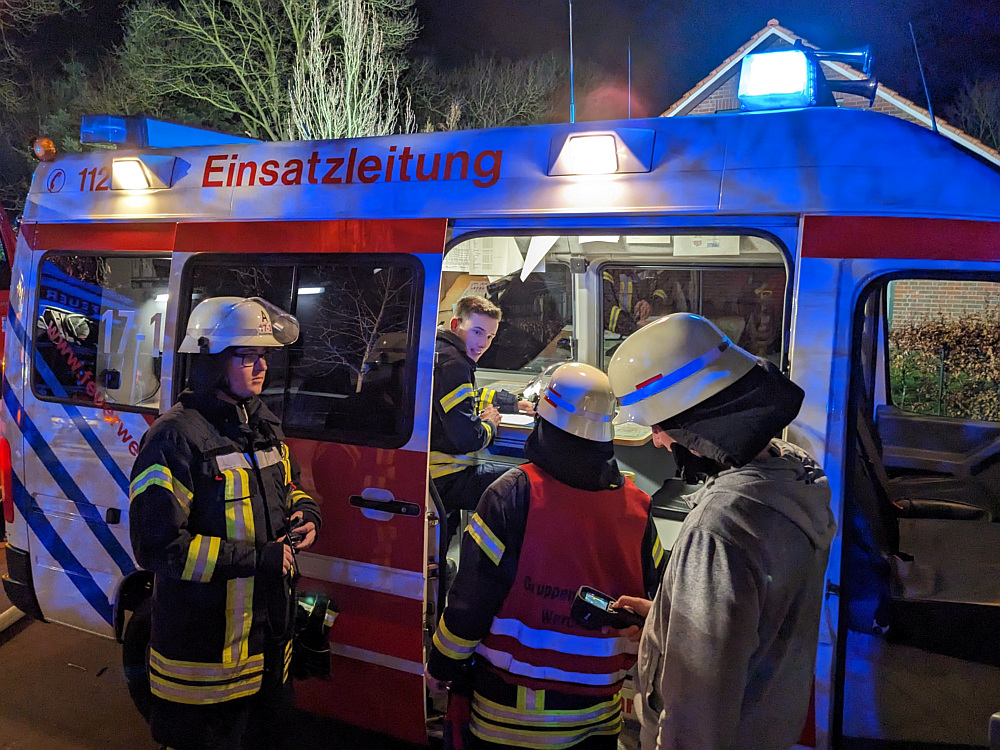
(920, 568)
(577, 297)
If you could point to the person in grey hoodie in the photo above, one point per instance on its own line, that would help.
(728, 650)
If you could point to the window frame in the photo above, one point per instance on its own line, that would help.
(124, 255)
(882, 282)
(294, 260)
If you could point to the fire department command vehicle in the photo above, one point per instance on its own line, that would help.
(807, 235)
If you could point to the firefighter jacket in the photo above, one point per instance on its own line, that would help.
(621, 291)
(457, 432)
(541, 679)
(211, 490)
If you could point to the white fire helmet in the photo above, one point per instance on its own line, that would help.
(220, 322)
(578, 399)
(671, 365)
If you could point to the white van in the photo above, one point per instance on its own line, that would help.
(827, 240)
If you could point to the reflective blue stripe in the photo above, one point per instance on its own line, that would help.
(88, 511)
(665, 381)
(559, 402)
(78, 575)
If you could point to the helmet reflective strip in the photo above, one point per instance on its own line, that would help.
(661, 382)
(558, 401)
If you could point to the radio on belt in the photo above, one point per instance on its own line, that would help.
(593, 610)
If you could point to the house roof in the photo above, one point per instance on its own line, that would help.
(774, 33)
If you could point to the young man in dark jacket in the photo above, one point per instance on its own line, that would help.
(729, 645)
(213, 498)
(567, 519)
(465, 420)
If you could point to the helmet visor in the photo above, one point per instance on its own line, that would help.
(284, 325)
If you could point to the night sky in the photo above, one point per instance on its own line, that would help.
(675, 43)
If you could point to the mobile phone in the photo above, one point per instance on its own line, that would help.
(593, 609)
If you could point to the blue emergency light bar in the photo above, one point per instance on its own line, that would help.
(145, 132)
(784, 79)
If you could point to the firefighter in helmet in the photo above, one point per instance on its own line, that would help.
(216, 515)
(729, 644)
(566, 519)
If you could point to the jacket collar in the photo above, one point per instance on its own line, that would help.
(443, 334)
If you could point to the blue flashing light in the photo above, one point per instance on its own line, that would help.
(103, 129)
(784, 79)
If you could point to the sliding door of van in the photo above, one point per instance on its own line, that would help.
(353, 394)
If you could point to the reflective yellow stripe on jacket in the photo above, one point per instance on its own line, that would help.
(443, 464)
(451, 645)
(159, 475)
(457, 396)
(530, 724)
(194, 682)
(239, 591)
(203, 554)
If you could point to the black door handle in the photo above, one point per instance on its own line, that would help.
(389, 506)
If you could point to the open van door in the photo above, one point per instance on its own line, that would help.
(354, 397)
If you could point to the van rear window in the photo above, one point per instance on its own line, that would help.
(99, 329)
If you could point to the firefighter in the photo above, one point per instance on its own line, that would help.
(466, 420)
(630, 299)
(567, 519)
(213, 500)
(729, 645)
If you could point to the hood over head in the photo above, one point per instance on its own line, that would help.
(575, 461)
(732, 427)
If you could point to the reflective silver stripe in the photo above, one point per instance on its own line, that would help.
(264, 458)
(270, 457)
(373, 657)
(507, 662)
(580, 645)
(405, 583)
(230, 461)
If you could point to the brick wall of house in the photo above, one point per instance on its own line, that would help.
(720, 100)
(917, 300)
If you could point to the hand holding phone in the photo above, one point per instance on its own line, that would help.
(594, 610)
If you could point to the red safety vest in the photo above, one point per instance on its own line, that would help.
(572, 538)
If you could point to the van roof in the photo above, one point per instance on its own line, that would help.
(809, 161)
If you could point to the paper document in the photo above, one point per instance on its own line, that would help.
(517, 420)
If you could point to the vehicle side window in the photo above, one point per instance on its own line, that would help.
(536, 329)
(99, 329)
(944, 350)
(745, 303)
(351, 375)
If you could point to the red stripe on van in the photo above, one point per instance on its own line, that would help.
(125, 237)
(900, 238)
(349, 236)
(353, 235)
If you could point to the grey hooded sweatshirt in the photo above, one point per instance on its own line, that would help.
(729, 647)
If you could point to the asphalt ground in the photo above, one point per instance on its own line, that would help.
(63, 689)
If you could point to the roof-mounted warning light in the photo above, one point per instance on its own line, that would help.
(777, 80)
(145, 132)
(791, 78)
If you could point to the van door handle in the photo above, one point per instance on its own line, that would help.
(375, 502)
